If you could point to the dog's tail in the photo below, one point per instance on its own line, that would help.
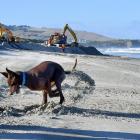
(73, 69)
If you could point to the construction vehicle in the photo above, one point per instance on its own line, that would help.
(7, 35)
(60, 39)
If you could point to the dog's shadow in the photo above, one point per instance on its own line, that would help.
(28, 110)
(64, 110)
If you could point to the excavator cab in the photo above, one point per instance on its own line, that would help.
(58, 39)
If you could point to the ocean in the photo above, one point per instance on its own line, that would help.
(133, 52)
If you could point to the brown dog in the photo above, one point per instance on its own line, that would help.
(39, 78)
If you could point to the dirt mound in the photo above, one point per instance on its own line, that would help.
(37, 47)
(77, 85)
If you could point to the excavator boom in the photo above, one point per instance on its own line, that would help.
(71, 31)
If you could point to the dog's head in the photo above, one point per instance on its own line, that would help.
(13, 80)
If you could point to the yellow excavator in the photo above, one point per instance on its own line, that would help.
(60, 39)
(7, 35)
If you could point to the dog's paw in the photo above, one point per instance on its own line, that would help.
(62, 99)
(43, 106)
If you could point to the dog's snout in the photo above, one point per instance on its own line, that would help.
(13, 89)
(10, 93)
(18, 90)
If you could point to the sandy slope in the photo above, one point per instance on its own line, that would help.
(102, 99)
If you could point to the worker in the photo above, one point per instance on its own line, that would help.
(4, 38)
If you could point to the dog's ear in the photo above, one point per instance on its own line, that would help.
(11, 72)
(5, 74)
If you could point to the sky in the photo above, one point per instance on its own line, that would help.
(112, 18)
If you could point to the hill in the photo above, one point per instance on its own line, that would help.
(84, 37)
(43, 33)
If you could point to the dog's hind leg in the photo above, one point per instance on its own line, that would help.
(58, 85)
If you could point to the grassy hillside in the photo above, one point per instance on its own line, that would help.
(43, 33)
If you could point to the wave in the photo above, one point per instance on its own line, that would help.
(120, 50)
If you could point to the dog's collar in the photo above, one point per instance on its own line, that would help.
(23, 78)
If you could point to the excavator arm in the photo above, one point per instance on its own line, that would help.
(71, 31)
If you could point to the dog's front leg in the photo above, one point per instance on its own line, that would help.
(44, 97)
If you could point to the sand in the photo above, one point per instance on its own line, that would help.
(102, 99)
